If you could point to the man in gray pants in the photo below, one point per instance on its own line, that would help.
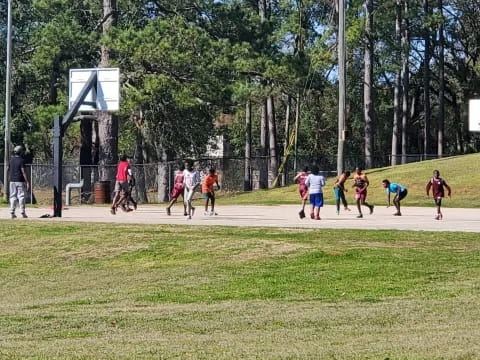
(18, 182)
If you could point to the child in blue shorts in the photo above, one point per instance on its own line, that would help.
(315, 182)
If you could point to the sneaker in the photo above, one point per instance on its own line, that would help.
(169, 212)
(193, 210)
(128, 209)
(124, 208)
(359, 216)
(397, 214)
(135, 206)
(338, 212)
(437, 217)
(24, 216)
(184, 214)
(189, 217)
(371, 209)
(301, 213)
(317, 218)
(13, 216)
(346, 208)
(206, 213)
(112, 211)
(213, 213)
(312, 216)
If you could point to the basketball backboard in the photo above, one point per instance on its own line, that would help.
(106, 96)
(474, 115)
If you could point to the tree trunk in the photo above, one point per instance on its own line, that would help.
(263, 183)
(441, 87)
(272, 137)
(397, 96)
(247, 182)
(297, 128)
(367, 85)
(107, 122)
(426, 83)
(140, 187)
(262, 10)
(286, 140)
(405, 81)
(341, 87)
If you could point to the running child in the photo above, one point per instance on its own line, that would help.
(438, 186)
(191, 180)
(315, 182)
(177, 191)
(339, 190)
(121, 184)
(300, 179)
(361, 183)
(208, 193)
(400, 192)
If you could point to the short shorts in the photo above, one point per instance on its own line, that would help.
(303, 190)
(177, 191)
(316, 200)
(122, 186)
(402, 194)
(360, 195)
(208, 195)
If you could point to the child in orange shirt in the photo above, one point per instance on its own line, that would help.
(208, 192)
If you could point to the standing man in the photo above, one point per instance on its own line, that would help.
(339, 190)
(18, 182)
(361, 183)
(191, 180)
(315, 182)
(121, 184)
(438, 185)
(400, 192)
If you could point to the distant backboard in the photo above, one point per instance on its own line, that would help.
(107, 94)
(474, 115)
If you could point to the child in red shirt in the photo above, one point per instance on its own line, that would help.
(437, 184)
(208, 192)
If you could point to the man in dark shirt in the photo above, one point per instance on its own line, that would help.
(18, 182)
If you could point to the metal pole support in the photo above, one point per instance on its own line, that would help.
(57, 166)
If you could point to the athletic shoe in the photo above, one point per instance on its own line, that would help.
(135, 206)
(189, 217)
(312, 216)
(169, 212)
(112, 211)
(301, 213)
(206, 213)
(359, 216)
(397, 214)
(184, 214)
(346, 208)
(213, 213)
(124, 208)
(439, 217)
(317, 218)
(128, 210)
(371, 209)
(338, 212)
(193, 210)
(24, 215)
(13, 216)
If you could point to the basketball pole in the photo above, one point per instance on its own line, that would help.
(8, 97)
(59, 128)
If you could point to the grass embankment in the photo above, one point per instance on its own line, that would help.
(460, 172)
(111, 291)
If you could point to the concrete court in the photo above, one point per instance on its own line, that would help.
(414, 218)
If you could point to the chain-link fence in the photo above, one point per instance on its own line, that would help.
(154, 182)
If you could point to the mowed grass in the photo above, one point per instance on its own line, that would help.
(460, 172)
(98, 291)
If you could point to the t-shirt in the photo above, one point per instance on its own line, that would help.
(191, 178)
(179, 179)
(208, 183)
(16, 165)
(122, 171)
(315, 183)
(394, 187)
(302, 178)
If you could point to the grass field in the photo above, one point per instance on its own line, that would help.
(460, 172)
(97, 291)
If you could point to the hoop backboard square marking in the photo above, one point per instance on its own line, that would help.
(106, 96)
(474, 115)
